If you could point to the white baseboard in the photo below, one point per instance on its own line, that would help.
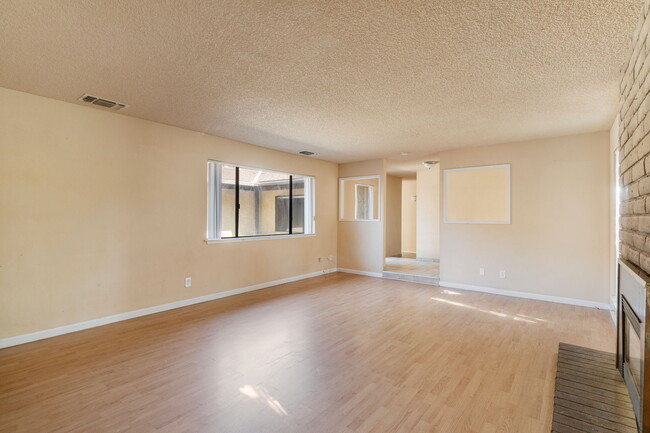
(535, 296)
(366, 273)
(53, 332)
(66, 329)
(427, 259)
(612, 308)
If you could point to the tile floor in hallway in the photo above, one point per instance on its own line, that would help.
(410, 265)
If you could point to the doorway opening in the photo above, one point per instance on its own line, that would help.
(412, 250)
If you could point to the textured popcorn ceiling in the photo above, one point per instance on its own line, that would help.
(407, 166)
(351, 80)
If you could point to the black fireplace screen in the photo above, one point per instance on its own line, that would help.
(632, 357)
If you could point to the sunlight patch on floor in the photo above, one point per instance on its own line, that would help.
(256, 392)
(518, 317)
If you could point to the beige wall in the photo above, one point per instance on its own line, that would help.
(408, 215)
(361, 243)
(393, 216)
(102, 214)
(558, 241)
(613, 213)
(428, 213)
(479, 194)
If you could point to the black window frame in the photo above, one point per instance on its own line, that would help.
(215, 203)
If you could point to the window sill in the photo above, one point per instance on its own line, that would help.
(256, 238)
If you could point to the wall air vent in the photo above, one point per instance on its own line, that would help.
(106, 103)
(307, 153)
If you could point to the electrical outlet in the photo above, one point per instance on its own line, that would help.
(188, 281)
(330, 258)
(481, 271)
(502, 274)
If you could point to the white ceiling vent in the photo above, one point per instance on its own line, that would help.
(106, 103)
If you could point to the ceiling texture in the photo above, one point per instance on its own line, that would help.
(351, 80)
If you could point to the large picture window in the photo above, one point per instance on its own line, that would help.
(246, 202)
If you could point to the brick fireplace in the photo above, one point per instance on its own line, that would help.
(634, 266)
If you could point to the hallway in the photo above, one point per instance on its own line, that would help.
(408, 265)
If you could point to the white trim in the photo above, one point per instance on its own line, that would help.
(427, 259)
(309, 216)
(525, 295)
(368, 221)
(477, 222)
(612, 303)
(74, 327)
(366, 273)
(250, 167)
(368, 176)
(256, 238)
(342, 197)
(484, 167)
(215, 196)
(66, 329)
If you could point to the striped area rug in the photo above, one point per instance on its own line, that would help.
(590, 395)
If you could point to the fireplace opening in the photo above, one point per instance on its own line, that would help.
(632, 355)
(633, 308)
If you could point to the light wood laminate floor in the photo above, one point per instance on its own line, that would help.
(338, 353)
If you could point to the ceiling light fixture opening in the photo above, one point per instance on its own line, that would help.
(429, 164)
